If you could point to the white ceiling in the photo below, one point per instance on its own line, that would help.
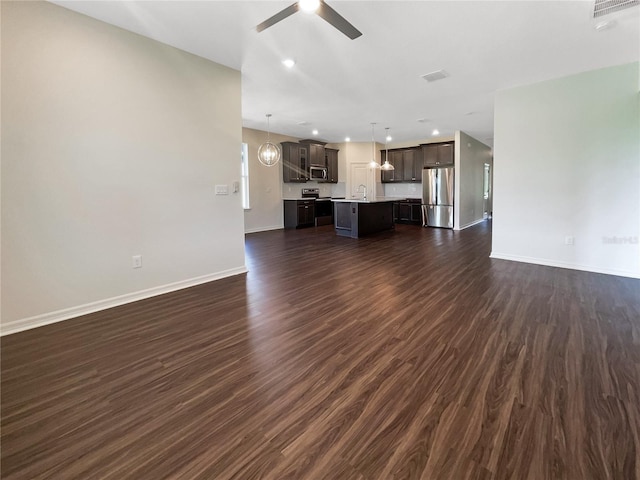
(339, 86)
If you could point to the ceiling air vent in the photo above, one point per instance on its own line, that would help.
(437, 75)
(604, 7)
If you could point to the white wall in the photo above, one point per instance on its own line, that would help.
(111, 146)
(470, 157)
(567, 163)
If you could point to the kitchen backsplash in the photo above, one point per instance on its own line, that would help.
(292, 190)
(408, 190)
(404, 190)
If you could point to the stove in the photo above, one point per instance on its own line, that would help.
(310, 193)
(323, 206)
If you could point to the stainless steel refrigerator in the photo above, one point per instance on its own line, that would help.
(437, 197)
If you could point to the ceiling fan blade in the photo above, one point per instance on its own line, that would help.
(281, 15)
(334, 18)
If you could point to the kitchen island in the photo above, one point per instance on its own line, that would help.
(356, 218)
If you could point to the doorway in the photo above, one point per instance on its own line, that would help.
(361, 174)
(488, 208)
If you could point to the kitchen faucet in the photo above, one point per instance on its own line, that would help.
(364, 191)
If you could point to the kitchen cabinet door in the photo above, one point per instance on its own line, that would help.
(446, 154)
(430, 155)
(316, 155)
(397, 160)
(416, 213)
(316, 152)
(404, 212)
(295, 167)
(299, 213)
(387, 176)
(412, 171)
(306, 214)
(331, 156)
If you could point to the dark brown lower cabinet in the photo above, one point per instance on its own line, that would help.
(408, 211)
(299, 213)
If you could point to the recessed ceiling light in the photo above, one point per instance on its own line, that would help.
(315, 132)
(309, 6)
(289, 63)
(347, 139)
(435, 132)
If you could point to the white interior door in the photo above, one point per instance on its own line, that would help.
(361, 174)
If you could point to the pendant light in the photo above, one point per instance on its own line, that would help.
(268, 153)
(373, 163)
(386, 165)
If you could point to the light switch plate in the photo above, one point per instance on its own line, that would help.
(222, 189)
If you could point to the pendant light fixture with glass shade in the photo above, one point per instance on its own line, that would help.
(373, 163)
(386, 165)
(269, 153)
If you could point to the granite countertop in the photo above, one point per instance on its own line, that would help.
(311, 198)
(368, 200)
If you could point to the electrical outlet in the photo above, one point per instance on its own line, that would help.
(569, 240)
(136, 261)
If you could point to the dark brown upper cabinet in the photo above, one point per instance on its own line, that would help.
(434, 154)
(295, 162)
(407, 165)
(316, 152)
(331, 156)
(412, 164)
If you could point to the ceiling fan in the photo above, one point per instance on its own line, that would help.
(320, 8)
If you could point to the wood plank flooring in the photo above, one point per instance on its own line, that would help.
(406, 355)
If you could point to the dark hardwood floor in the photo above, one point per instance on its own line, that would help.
(406, 355)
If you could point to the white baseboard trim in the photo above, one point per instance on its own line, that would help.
(475, 222)
(264, 229)
(571, 266)
(73, 312)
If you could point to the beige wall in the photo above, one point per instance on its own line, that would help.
(265, 185)
(111, 147)
(470, 157)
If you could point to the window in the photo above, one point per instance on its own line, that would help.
(245, 176)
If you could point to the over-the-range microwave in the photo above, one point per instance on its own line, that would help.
(317, 172)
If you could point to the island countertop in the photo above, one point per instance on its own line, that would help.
(368, 200)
